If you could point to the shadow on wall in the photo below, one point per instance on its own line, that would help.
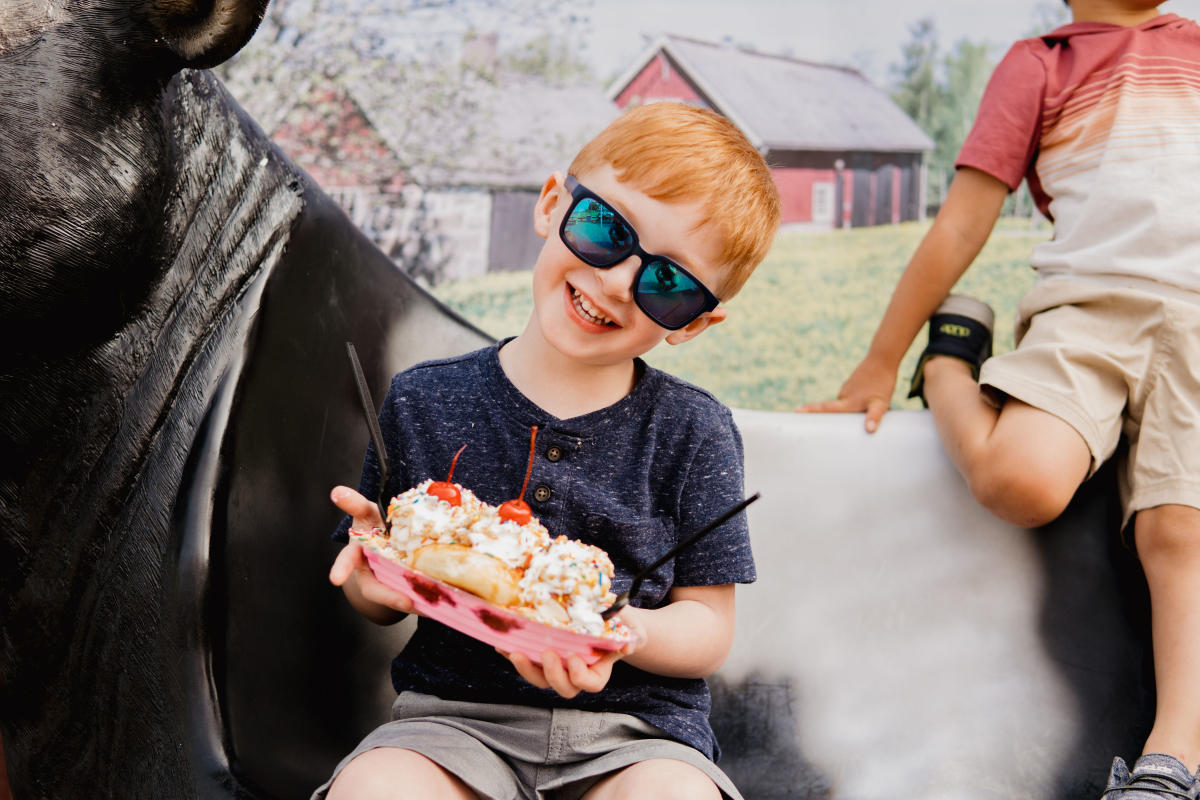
(1096, 599)
(761, 749)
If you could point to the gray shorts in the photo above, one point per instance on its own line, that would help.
(505, 752)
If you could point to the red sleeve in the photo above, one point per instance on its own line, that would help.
(1004, 139)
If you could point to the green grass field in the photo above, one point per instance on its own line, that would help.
(804, 319)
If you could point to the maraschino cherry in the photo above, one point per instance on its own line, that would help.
(518, 510)
(445, 490)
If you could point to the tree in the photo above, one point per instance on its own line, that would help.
(916, 84)
(548, 57)
(410, 51)
(1048, 15)
(966, 69)
(419, 71)
(942, 94)
(922, 90)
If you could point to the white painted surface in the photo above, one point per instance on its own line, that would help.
(906, 620)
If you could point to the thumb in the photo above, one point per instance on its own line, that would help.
(360, 508)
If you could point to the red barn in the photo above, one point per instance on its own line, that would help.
(842, 153)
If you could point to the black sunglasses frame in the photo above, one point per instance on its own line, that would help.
(579, 193)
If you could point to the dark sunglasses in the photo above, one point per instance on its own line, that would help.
(600, 237)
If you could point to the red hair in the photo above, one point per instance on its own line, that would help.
(675, 152)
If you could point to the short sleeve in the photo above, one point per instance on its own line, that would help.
(714, 484)
(1004, 139)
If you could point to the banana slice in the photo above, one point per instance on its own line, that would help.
(475, 572)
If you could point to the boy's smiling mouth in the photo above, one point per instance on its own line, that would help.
(587, 311)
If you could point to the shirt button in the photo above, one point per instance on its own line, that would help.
(553, 452)
(541, 493)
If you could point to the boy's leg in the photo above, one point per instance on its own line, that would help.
(1021, 463)
(390, 773)
(660, 778)
(1167, 539)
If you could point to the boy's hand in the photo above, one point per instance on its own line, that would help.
(869, 388)
(573, 677)
(351, 571)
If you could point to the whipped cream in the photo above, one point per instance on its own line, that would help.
(563, 582)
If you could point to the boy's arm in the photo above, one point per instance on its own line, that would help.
(958, 233)
(691, 636)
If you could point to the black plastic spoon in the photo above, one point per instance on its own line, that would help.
(623, 598)
(368, 405)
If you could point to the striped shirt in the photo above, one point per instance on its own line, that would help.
(1104, 123)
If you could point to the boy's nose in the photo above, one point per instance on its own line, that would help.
(617, 280)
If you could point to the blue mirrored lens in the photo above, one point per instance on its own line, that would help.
(595, 233)
(669, 295)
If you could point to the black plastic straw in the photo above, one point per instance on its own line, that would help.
(623, 599)
(368, 406)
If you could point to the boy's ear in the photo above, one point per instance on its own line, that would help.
(697, 326)
(543, 210)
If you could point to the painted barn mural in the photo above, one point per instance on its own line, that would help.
(843, 154)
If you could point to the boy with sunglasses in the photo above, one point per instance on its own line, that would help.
(661, 216)
(1102, 118)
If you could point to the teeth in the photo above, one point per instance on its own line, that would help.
(588, 309)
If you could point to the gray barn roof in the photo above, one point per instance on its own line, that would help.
(517, 130)
(783, 103)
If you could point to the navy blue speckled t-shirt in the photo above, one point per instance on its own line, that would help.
(630, 478)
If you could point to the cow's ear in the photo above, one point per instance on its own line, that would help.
(206, 32)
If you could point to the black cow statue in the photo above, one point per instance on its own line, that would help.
(175, 298)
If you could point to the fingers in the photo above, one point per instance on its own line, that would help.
(567, 679)
(527, 669)
(351, 566)
(840, 406)
(876, 408)
(364, 511)
(347, 561)
(591, 678)
(382, 595)
(374, 591)
(571, 678)
(556, 675)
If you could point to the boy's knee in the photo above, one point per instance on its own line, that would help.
(387, 773)
(1168, 533)
(1023, 497)
(358, 780)
(660, 778)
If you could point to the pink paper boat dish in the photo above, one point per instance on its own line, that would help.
(500, 627)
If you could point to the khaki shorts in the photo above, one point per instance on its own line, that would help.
(1112, 360)
(505, 752)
